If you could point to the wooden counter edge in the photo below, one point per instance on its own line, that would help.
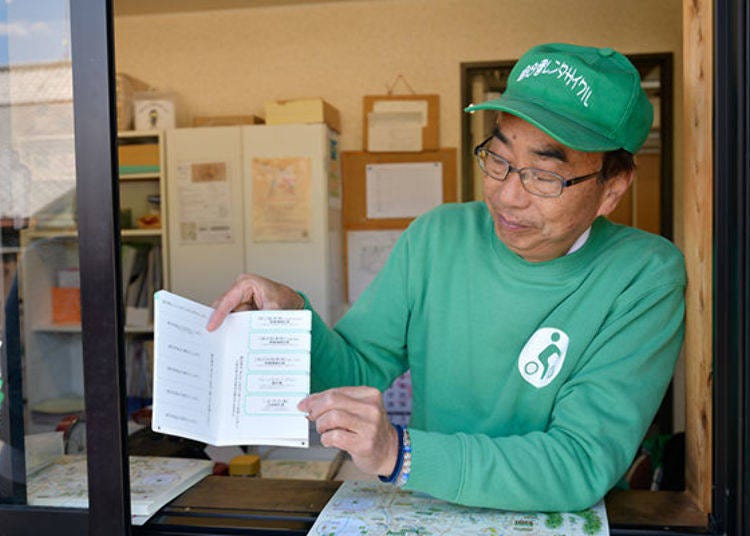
(653, 509)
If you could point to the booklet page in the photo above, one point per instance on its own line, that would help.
(270, 374)
(186, 368)
(238, 385)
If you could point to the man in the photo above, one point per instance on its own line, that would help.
(540, 336)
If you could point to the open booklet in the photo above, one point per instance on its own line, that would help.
(237, 385)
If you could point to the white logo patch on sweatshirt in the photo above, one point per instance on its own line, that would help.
(543, 356)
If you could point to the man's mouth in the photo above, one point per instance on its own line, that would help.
(510, 224)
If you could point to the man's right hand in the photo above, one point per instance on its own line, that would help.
(252, 291)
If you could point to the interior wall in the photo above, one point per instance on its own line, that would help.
(232, 61)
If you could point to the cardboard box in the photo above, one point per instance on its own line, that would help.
(303, 111)
(393, 123)
(138, 157)
(66, 305)
(125, 87)
(138, 154)
(226, 120)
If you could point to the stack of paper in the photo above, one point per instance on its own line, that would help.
(154, 482)
(314, 463)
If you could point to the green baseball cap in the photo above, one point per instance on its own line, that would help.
(589, 99)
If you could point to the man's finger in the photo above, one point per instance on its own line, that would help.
(362, 391)
(337, 402)
(346, 420)
(359, 393)
(339, 438)
(232, 299)
(361, 403)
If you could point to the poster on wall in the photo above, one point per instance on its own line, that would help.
(281, 199)
(403, 190)
(204, 202)
(366, 253)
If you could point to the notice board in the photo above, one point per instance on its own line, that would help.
(354, 171)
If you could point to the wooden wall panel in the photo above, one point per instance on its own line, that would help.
(648, 193)
(354, 180)
(698, 217)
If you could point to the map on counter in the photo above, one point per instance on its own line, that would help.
(375, 509)
(154, 481)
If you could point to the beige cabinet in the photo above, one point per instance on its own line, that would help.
(259, 198)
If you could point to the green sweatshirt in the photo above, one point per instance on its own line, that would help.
(533, 383)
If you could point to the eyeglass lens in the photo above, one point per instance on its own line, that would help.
(534, 181)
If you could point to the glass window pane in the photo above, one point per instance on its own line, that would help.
(41, 365)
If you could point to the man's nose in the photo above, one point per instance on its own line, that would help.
(511, 192)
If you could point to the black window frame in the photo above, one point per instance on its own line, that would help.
(731, 279)
(102, 322)
(92, 50)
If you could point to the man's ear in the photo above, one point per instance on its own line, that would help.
(615, 188)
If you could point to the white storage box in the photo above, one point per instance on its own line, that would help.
(154, 110)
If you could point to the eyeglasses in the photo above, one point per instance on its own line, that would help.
(535, 181)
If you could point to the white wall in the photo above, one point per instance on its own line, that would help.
(232, 61)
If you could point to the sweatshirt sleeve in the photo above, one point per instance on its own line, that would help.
(368, 345)
(599, 419)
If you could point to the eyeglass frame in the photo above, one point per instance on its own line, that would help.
(564, 183)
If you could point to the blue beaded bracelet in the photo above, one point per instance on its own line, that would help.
(403, 476)
(399, 461)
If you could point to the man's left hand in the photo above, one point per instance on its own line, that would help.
(354, 419)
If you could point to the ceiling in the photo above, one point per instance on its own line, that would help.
(148, 7)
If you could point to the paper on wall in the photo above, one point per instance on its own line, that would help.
(403, 190)
(281, 199)
(203, 202)
(394, 131)
(398, 106)
(366, 253)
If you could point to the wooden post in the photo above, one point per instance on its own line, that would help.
(698, 218)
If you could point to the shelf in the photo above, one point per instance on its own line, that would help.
(53, 351)
(76, 328)
(139, 233)
(36, 234)
(73, 233)
(139, 133)
(152, 176)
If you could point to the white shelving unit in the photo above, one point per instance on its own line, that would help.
(53, 357)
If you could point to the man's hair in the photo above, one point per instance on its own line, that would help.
(615, 162)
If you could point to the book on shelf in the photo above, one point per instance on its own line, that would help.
(237, 385)
(141, 277)
(139, 365)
